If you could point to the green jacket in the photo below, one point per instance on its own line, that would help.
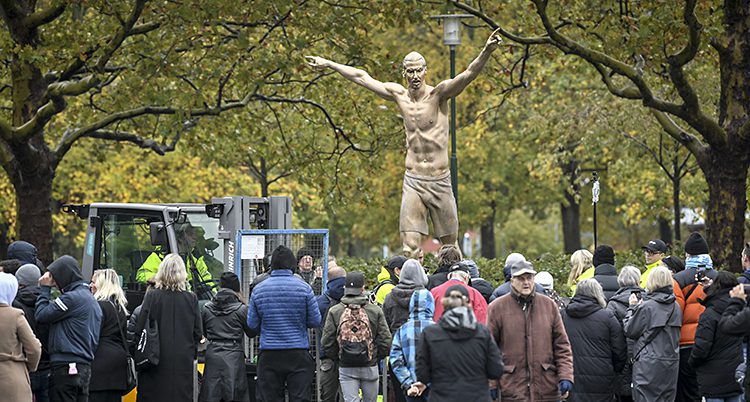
(151, 266)
(378, 327)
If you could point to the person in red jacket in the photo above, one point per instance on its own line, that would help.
(459, 275)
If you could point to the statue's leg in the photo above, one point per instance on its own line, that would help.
(411, 242)
(413, 218)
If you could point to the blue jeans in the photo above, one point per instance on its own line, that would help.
(736, 398)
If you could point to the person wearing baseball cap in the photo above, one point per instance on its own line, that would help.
(388, 278)
(653, 252)
(460, 274)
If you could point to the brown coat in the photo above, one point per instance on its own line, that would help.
(534, 346)
(19, 353)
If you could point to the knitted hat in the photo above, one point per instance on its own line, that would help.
(696, 244)
(283, 258)
(604, 254)
(28, 275)
(457, 288)
(229, 280)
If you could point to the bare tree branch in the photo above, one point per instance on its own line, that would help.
(44, 16)
(145, 143)
(534, 40)
(656, 156)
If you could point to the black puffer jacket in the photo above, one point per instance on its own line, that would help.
(456, 357)
(484, 287)
(438, 278)
(716, 354)
(736, 321)
(618, 305)
(606, 275)
(598, 344)
(396, 306)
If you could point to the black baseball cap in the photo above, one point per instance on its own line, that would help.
(353, 283)
(656, 246)
(397, 261)
(460, 266)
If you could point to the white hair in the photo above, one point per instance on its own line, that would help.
(172, 274)
(592, 288)
(629, 276)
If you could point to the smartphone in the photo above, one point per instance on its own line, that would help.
(637, 294)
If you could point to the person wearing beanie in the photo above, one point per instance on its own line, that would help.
(74, 320)
(691, 291)
(456, 356)
(504, 288)
(329, 368)
(307, 271)
(282, 308)
(28, 291)
(358, 372)
(654, 251)
(225, 325)
(527, 327)
(19, 349)
(605, 272)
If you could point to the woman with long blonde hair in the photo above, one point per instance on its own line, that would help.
(581, 267)
(109, 369)
(175, 312)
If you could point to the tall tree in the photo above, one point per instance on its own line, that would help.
(637, 64)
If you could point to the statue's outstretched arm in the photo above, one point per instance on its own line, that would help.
(452, 87)
(384, 90)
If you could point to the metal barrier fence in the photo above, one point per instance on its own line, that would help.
(252, 251)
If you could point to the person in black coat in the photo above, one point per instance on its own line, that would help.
(225, 326)
(175, 311)
(457, 356)
(109, 368)
(605, 272)
(736, 322)
(598, 344)
(448, 255)
(716, 354)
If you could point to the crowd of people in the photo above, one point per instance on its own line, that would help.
(673, 331)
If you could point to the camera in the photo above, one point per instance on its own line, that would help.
(637, 294)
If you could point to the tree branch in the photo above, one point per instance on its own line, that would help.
(690, 141)
(44, 16)
(116, 40)
(532, 40)
(627, 92)
(145, 143)
(42, 116)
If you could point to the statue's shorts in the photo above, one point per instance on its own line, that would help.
(425, 194)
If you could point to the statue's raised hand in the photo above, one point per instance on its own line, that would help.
(316, 62)
(495, 40)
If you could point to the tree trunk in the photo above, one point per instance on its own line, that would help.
(571, 223)
(665, 231)
(263, 178)
(676, 206)
(487, 232)
(726, 176)
(34, 209)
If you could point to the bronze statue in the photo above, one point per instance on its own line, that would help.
(427, 185)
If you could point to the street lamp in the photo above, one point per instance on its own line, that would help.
(452, 38)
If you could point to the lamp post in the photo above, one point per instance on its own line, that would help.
(452, 38)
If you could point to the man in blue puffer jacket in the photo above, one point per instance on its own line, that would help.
(75, 320)
(281, 308)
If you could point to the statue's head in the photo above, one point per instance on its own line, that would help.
(414, 69)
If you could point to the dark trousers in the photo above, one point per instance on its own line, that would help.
(290, 369)
(395, 386)
(687, 380)
(105, 396)
(64, 387)
(40, 385)
(329, 380)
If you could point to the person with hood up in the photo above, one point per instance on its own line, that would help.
(28, 291)
(628, 280)
(388, 278)
(329, 369)
(19, 349)
(224, 325)
(716, 354)
(358, 365)
(406, 342)
(477, 282)
(458, 356)
(396, 304)
(25, 253)
(504, 289)
(654, 323)
(605, 272)
(448, 255)
(74, 320)
(529, 331)
(689, 292)
(597, 341)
